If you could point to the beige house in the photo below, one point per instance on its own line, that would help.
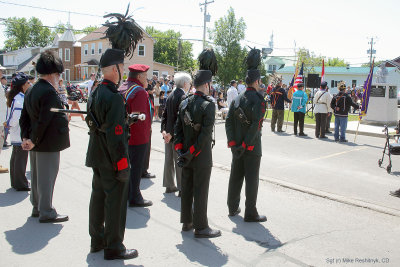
(93, 46)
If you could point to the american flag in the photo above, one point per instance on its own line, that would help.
(299, 78)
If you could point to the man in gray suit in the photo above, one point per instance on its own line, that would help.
(44, 134)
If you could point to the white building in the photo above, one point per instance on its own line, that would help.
(15, 60)
(352, 76)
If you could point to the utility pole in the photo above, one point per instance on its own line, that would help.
(371, 50)
(206, 19)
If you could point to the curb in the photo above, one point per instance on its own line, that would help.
(314, 192)
(312, 126)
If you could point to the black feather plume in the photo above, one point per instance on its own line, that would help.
(253, 59)
(208, 61)
(123, 33)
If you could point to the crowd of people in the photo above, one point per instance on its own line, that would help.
(119, 147)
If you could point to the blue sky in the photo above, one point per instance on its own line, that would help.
(337, 28)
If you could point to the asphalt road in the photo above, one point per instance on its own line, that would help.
(302, 229)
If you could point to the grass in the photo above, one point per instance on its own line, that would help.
(307, 119)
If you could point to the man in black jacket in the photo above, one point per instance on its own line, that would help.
(341, 104)
(45, 134)
(278, 98)
(169, 117)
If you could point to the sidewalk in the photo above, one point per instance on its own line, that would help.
(302, 230)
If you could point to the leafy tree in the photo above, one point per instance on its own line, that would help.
(311, 60)
(22, 33)
(87, 29)
(169, 49)
(61, 27)
(226, 35)
(376, 63)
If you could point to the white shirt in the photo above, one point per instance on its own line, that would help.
(241, 88)
(231, 95)
(3, 106)
(322, 101)
(14, 114)
(89, 87)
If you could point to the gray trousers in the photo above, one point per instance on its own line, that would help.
(19, 158)
(44, 170)
(170, 167)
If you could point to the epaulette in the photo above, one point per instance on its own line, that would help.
(209, 98)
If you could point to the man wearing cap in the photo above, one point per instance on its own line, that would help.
(243, 130)
(192, 139)
(44, 134)
(137, 101)
(232, 93)
(322, 101)
(107, 155)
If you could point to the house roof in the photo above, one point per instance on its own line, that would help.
(100, 33)
(68, 36)
(155, 62)
(334, 70)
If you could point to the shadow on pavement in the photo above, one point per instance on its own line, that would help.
(255, 232)
(12, 197)
(137, 218)
(145, 183)
(201, 250)
(97, 259)
(172, 201)
(32, 236)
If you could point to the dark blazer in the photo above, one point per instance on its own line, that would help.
(47, 130)
(170, 113)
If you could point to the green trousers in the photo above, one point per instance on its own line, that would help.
(277, 117)
(246, 167)
(107, 210)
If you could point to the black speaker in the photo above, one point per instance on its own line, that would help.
(313, 81)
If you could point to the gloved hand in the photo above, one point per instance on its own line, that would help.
(184, 159)
(237, 151)
(123, 175)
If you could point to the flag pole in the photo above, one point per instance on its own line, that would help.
(287, 119)
(358, 125)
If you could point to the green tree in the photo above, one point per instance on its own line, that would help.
(170, 49)
(21, 33)
(311, 60)
(376, 63)
(226, 35)
(335, 62)
(61, 27)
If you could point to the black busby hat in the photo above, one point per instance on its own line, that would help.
(19, 79)
(49, 63)
(112, 57)
(208, 67)
(253, 60)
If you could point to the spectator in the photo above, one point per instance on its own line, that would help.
(162, 104)
(322, 102)
(165, 86)
(278, 98)
(170, 114)
(61, 93)
(222, 106)
(341, 104)
(90, 83)
(354, 98)
(44, 134)
(31, 80)
(4, 84)
(232, 93)
(3, 112)
(19, 157)
(299, 104)
(171, 83)
(157, 91)
(241, 87)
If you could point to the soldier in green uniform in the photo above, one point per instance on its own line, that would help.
(243, 129)
(108, 156)
(193, 143)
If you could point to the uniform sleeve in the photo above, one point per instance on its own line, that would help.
(25, 123)
(229, 125)
(207, 126)
(333, 103)
(286, 97)
(258, 111)
(115, 131)
(16, 114)
(178, 132)
(139, 103)
(164, 119)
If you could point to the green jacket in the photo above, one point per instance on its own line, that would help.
(202, 112)
(108, 148)
(247, 134)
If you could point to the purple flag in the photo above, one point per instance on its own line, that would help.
(366, 93)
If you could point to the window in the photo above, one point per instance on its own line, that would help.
(332, 83)
(141, 50)
(67, 54)
(271, 67)
(93, 48)
(86, 49)
(67, 75)
(100, 45)
(60, 53)
(155, 72)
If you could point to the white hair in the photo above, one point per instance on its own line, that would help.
(181, 78)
